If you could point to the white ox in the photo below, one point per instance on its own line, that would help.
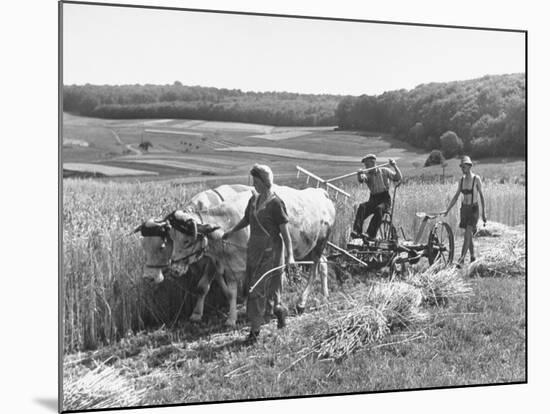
(157, 244)
(210, 198)
(184, 237)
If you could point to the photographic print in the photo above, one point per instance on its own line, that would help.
(260, 206)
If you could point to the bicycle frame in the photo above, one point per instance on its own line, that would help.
(422, 228)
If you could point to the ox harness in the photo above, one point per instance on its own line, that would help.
(163, 231)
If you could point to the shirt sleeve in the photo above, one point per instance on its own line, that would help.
(248, 210)
(278, 212)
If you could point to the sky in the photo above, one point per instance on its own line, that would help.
(116, 45)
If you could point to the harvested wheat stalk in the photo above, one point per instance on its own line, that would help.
(438, 285)
(102, 387)
(367, 318)
(505, 259)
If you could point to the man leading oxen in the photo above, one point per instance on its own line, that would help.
(191, 234)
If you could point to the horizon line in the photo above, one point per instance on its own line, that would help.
(287, 91)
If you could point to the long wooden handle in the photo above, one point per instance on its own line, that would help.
(354, 173)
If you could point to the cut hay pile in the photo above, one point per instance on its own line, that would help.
(438, 285)
(101, 387)
(505, 259)
(399, 302)
(350, 331)
(367, 318)
(492, 229)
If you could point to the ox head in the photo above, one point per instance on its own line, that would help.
(158, 245)
(190, 239)
(173, 242)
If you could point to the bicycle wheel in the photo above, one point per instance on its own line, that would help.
(441, 244)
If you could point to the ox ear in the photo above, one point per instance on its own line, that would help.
(138, 228)
(206, 228)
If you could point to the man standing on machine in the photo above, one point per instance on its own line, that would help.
(378, 183)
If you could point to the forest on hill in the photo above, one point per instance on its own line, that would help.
(484, 117)
(196, 102)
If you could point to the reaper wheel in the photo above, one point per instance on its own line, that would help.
(441, 244)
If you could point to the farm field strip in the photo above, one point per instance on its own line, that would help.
(180, 123)
(288, 153)
(200, 158)
(277, 136)
(303, 128)
(172, 132)
(77, 142)
(104, 169)
(158, 121)
(221, 143)
(235, 126)
(180, 165)
(135, 123)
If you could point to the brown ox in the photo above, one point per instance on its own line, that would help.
(189, 235)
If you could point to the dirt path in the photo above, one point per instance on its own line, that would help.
(127, 146)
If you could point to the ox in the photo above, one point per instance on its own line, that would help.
(185, 236)
(157, 242)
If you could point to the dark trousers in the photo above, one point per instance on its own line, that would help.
(376, 205)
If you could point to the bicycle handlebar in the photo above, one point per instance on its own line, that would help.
(421, 214)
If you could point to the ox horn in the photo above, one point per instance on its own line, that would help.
(193, 228)
(138, 228)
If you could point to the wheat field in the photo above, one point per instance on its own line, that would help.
(104, 295)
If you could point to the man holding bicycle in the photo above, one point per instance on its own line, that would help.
(470, 188)
(378, 183)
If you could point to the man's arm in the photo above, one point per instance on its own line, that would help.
(397, 176)
(453, 201)
(481, 199)
(283, 228)
(240, 225)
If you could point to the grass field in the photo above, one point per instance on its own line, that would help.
(227, 150)
(478, 339)
(110, 314)
(215, 143)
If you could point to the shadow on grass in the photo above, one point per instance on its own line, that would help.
(209, 353)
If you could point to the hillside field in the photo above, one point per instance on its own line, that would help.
(118, 329)
(223, 152)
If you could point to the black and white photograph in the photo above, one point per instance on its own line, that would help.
(263, 206)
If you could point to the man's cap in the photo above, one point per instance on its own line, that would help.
(369, 157)
(466, 160)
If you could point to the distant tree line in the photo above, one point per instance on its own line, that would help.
(196, 102)
(483, 117)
